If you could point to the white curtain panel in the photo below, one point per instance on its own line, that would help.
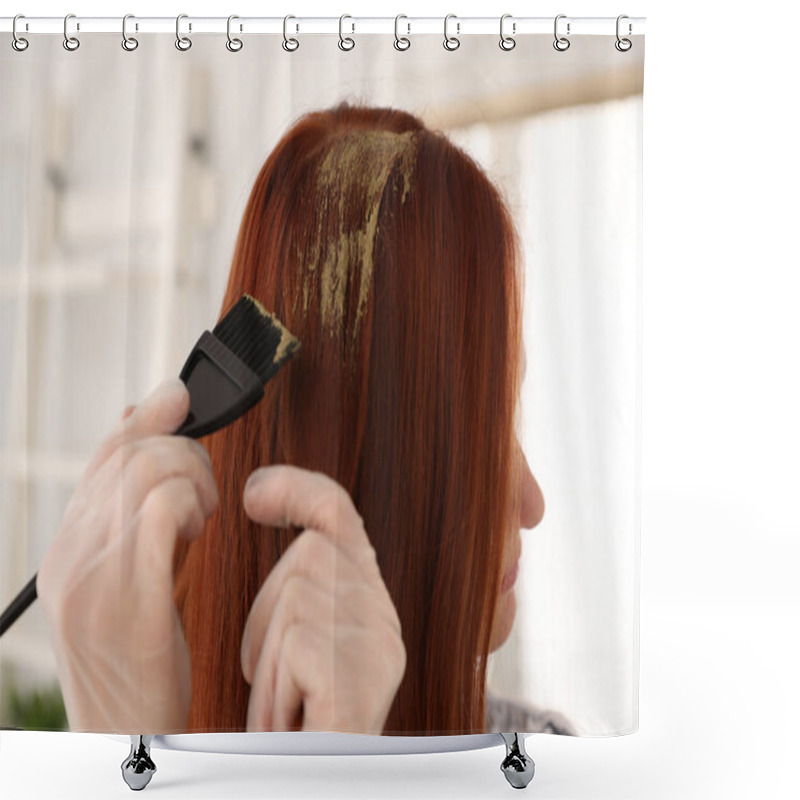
(124, 180)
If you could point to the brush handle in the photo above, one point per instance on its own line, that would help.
(18, 605)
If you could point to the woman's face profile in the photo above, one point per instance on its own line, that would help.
(530, 515)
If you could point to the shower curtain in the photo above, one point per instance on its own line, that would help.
(146, 186)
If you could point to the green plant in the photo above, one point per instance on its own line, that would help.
(37, 710)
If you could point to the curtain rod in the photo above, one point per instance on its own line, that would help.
(298, 25)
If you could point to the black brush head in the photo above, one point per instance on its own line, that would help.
(227, 369)
(256, 337)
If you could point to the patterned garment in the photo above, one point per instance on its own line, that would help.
(504, 715)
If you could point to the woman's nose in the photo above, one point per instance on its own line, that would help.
(532, 499)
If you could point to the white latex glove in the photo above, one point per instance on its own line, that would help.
(105, 584)
(322, 644)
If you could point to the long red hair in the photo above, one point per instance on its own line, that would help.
(387, 251)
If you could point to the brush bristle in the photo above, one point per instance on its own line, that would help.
(256, 337)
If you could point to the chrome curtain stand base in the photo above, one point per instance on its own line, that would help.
(517, 766)
(138, 768)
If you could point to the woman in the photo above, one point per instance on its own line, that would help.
(342, 557)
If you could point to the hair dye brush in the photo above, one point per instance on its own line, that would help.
(226, 372)
(225, 375)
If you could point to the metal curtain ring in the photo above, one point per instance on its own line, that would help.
(507, 42)
(182, 42)
(401, 42)
(623, 45)
(70, 42)
(234, 45)
(451, 42)
(129, 43)
(561, 43)
(17, 42)
(289, 44)
(346, 43)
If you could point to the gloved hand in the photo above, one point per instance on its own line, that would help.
(105, 584)
(322, 645)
